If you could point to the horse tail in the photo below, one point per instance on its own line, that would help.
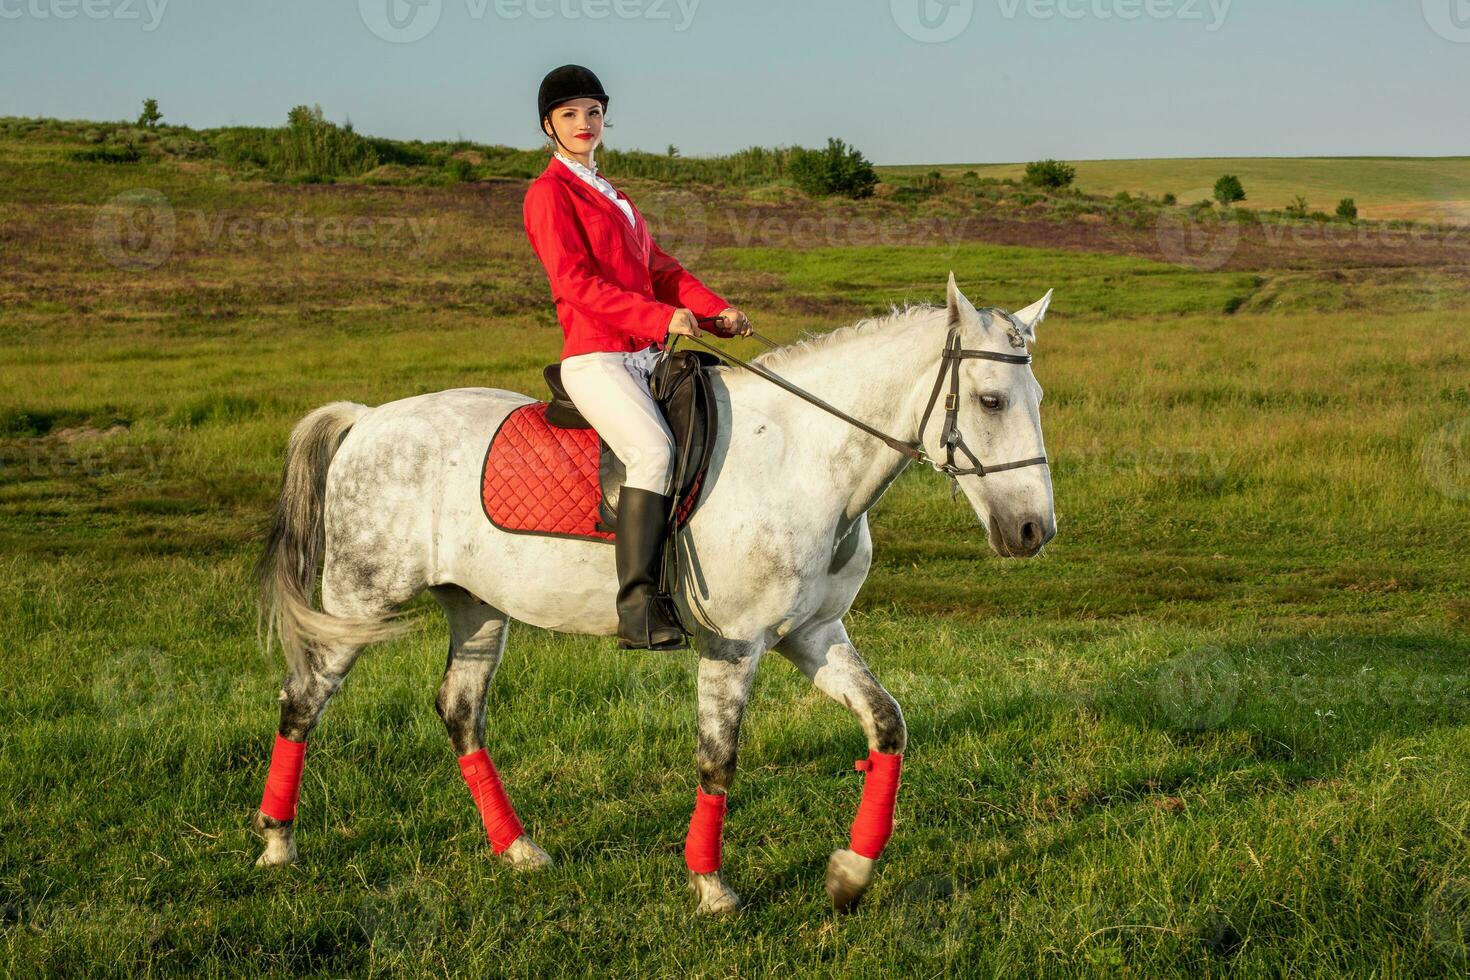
(287, 569)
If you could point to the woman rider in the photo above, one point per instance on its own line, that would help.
(618, 297)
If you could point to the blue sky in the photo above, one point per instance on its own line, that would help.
(906, 81)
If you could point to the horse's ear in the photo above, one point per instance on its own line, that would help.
(960, 308)
(1028, 318)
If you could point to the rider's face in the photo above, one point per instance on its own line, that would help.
(578, 125)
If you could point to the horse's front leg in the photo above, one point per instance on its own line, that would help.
(726, 669)
(825, 654)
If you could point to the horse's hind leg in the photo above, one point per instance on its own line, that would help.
(825, 654)
(476, 642)
(303, 697)
(726, 670)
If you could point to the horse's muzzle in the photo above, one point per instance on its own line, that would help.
(1022, 536)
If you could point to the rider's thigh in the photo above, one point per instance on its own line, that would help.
(622, 411)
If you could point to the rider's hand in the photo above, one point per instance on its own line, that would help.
(684, 324)
(735, 324)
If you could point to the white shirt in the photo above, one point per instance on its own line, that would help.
(600, 184)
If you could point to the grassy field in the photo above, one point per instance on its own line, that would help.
(1424, 188)
(1220, 727)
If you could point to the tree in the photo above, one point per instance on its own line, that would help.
(673, 150)
(1228, 189)
(150, 116)
(1298, 208)
(1347, 209)
(1049, 173)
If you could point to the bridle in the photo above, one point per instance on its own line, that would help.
(949, 436)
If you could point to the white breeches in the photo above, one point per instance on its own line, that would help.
(610, 389)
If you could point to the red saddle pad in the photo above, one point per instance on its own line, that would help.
(539, 479)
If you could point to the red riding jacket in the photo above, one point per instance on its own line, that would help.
(615, 290)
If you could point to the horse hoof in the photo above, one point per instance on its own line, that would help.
(524, 855)
(715, 897)
(279, 852)
(848, 877)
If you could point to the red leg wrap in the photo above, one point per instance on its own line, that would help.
(874, 823)
(706, 828)
(283, 783)
(501, 823)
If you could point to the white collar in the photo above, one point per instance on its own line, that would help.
(577, 166)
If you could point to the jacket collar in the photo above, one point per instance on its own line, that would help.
(560, 171)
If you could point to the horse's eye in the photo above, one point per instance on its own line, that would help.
(990, 401)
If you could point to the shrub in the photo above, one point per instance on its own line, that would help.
(1049, 173)
(127, 153)
(1170, 199)
(1228, 189)
(460, 169)
(1347, 209)
(839, 169)
(1297, 208)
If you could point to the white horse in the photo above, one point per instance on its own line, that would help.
(387, 500)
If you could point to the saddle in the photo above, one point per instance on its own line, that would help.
(547, 471)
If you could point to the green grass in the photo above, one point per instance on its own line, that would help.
(1218, 728)
(1384, 187)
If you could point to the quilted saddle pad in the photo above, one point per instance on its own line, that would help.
(539, 479)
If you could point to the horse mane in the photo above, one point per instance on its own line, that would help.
(813, 343)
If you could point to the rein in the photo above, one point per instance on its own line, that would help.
(950, 435)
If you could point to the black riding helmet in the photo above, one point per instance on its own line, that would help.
(565, 84)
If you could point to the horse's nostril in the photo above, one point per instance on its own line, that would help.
(1030, 534)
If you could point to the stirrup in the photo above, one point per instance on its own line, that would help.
(671, 619)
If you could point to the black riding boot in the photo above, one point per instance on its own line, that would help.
(646, 620)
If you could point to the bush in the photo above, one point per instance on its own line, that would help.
(1228, 189)
(460, 169)
(1049, 173)
(1170, 199)
(839, 169)
(127, 153)
(1297, 208)
(307, 146)
(1347, 209)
